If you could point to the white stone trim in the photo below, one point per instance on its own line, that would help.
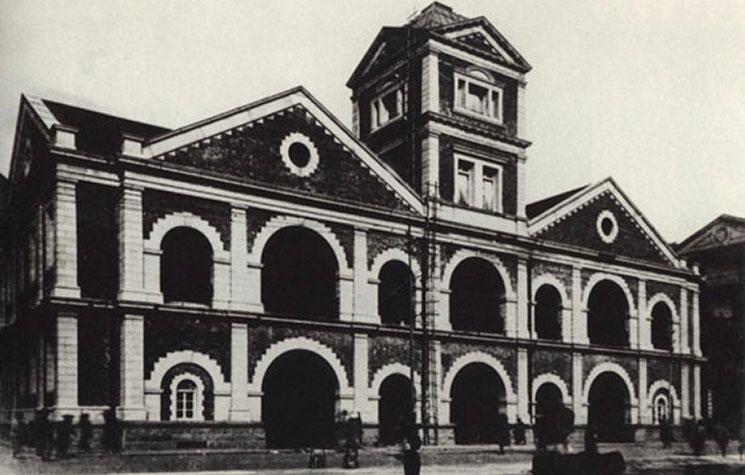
(610, 236)
(608, 367)
(658, 385)
(395, 254)
(389, 370)
(478, 357)
(463, 254)
(278, 223)
(487, 36)
(555, 379)
(553, 281)
(185, 219)
(284, 151)
(598, 277)
(165, 363)
(198, 396)
(305, 344)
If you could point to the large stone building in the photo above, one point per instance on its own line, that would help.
(719, 250)
(244, 279)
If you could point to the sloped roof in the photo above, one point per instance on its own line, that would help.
(434, 16)
(537, 207)
(98, 132)
(730, 229)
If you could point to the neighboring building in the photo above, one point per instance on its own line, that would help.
(719, 250)
(262, 266)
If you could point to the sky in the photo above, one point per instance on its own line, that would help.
(651, 92)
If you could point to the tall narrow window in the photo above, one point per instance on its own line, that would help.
(386, 108)
(491, 189)
(464, 183)
(186, 395)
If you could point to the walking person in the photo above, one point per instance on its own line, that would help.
(503, 432)
(64, 436)
(666, 433)
(18, 433)
(411, 445)
(86, 433)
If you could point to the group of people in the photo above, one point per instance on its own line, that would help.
(49, 437)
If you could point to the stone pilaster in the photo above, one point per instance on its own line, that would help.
(365, 305)
(131, 251)
(431, 164)
(361, 396)
(645, 413)
(510, 318)
(523, 299)
(522, 184)
(221, 282)
(579, 312)
(579, 407)
(645, 329)
(522, 125)
(684, 341)
(239, 280)
(430, 83)
(356, 118)
(238, 372)
(66, 241)
(346, 295)
(685, 386)
(697, 391)
(696, 322)
(67, 364)
(523, 395)
(131, 368)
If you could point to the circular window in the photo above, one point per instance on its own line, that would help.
(299, 154)
(607, 226)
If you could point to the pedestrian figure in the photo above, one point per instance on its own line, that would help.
(564, 426)
(111, 431)
(519, 432)
(721, 435)
(412, 461)
(64, 436)
(591, 445)
(351, 442)
(86, 433)
(503, 432)
(666, 433)
(44, 435)
(18, 433)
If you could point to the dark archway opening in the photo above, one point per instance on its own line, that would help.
(548, 410)
(607, 315)
(609, 411)
(299, 277)
(299, 403)
(662, 326)
(548, 313)
(394, 408)
(477, 400)
(396, 294)
(186, 267)
(477, 298)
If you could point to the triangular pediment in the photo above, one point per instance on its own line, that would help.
(725, 230)
(601, 218)
(254, 142)
(481, 35)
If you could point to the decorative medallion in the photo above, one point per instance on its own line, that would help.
(299, 154)
(607, 226)
(721, 235)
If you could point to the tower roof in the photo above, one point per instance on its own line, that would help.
(434, 16)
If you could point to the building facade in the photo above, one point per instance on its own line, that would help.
(719, 250)
(243, 280)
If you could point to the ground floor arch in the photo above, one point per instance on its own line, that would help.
(477, 404)
(299, 402)
(609, 408)
(395, 408)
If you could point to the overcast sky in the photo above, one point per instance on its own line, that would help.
(649, 92)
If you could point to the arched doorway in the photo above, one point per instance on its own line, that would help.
(477, 398)
(396, 294)
(299, 403)
(394, 408)
(299, 277)
(477, 297)
(186, 266)
(548, 313)
(662, 323)
(609, 410)
(608, 315)
(548, 410)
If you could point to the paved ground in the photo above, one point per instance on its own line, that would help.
(641, 459)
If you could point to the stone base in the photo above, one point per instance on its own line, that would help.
(194, 435)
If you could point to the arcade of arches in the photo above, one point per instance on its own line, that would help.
(477, 298)
(396, 294)
(610, 408)
(186, 267)
(548, 313)
(395, 408)
(477, 402)
(662, 321)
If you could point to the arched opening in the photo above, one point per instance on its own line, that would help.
(396, 294)
(299, 403)
(186, 267)
(662, 327)
(608, 315)
(661, 407)
(477, 399)
(477, 297)
(548, 313)
(394, 408)
(299, 277)
(548, 405)
(186, 400)
(609, 410)
(187, 394)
